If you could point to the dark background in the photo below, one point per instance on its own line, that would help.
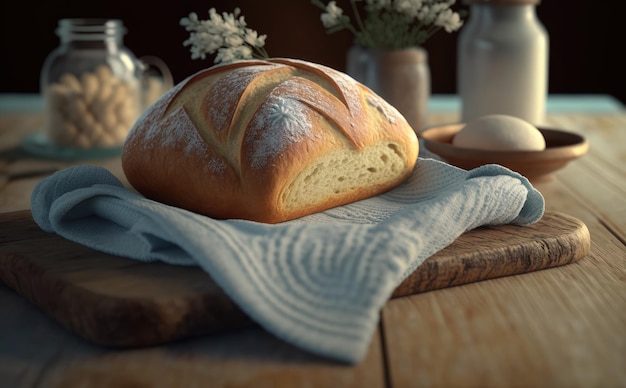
(586, 38)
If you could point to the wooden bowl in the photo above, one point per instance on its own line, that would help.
(561, 148)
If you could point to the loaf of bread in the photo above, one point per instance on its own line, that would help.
(268, 141)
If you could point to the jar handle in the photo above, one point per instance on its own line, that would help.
(153, 90)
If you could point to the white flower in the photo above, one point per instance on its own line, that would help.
(230, 25)
(225, 55)
(437, 8)
(408, 7)
(192, 20)
(224, 34)
(391, 24)
(425, 15)
(253, 39)
(233, 40)
(332, 16)
(449, 20)
(215, 21)
(232, 54)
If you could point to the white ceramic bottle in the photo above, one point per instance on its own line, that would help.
(503, 61)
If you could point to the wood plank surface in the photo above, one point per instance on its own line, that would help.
(43, 354)
(120, 302)
(546, 333)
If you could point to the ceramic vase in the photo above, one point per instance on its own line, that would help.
(401, 77)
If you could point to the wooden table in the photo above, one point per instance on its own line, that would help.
(560, 327)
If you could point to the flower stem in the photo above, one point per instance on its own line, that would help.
(364, 35)
(261, 53)
(430, 32)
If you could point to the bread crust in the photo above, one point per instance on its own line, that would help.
(230, 140)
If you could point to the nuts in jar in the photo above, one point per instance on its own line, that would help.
(94, 111)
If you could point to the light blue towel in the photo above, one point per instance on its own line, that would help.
(318, 282)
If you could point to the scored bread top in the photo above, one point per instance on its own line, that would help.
(231, 141)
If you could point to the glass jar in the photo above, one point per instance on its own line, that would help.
(503, 61)
(91, 85)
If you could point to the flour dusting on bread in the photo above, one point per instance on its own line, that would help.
(225, 96)
(278, 123)
(346, 88)
(387, 110)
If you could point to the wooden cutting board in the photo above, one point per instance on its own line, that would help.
(119, 302)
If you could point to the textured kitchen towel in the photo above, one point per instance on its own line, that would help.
(318, 282)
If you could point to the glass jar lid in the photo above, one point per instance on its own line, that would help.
(90, 29)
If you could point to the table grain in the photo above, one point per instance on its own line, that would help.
(560, 327)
